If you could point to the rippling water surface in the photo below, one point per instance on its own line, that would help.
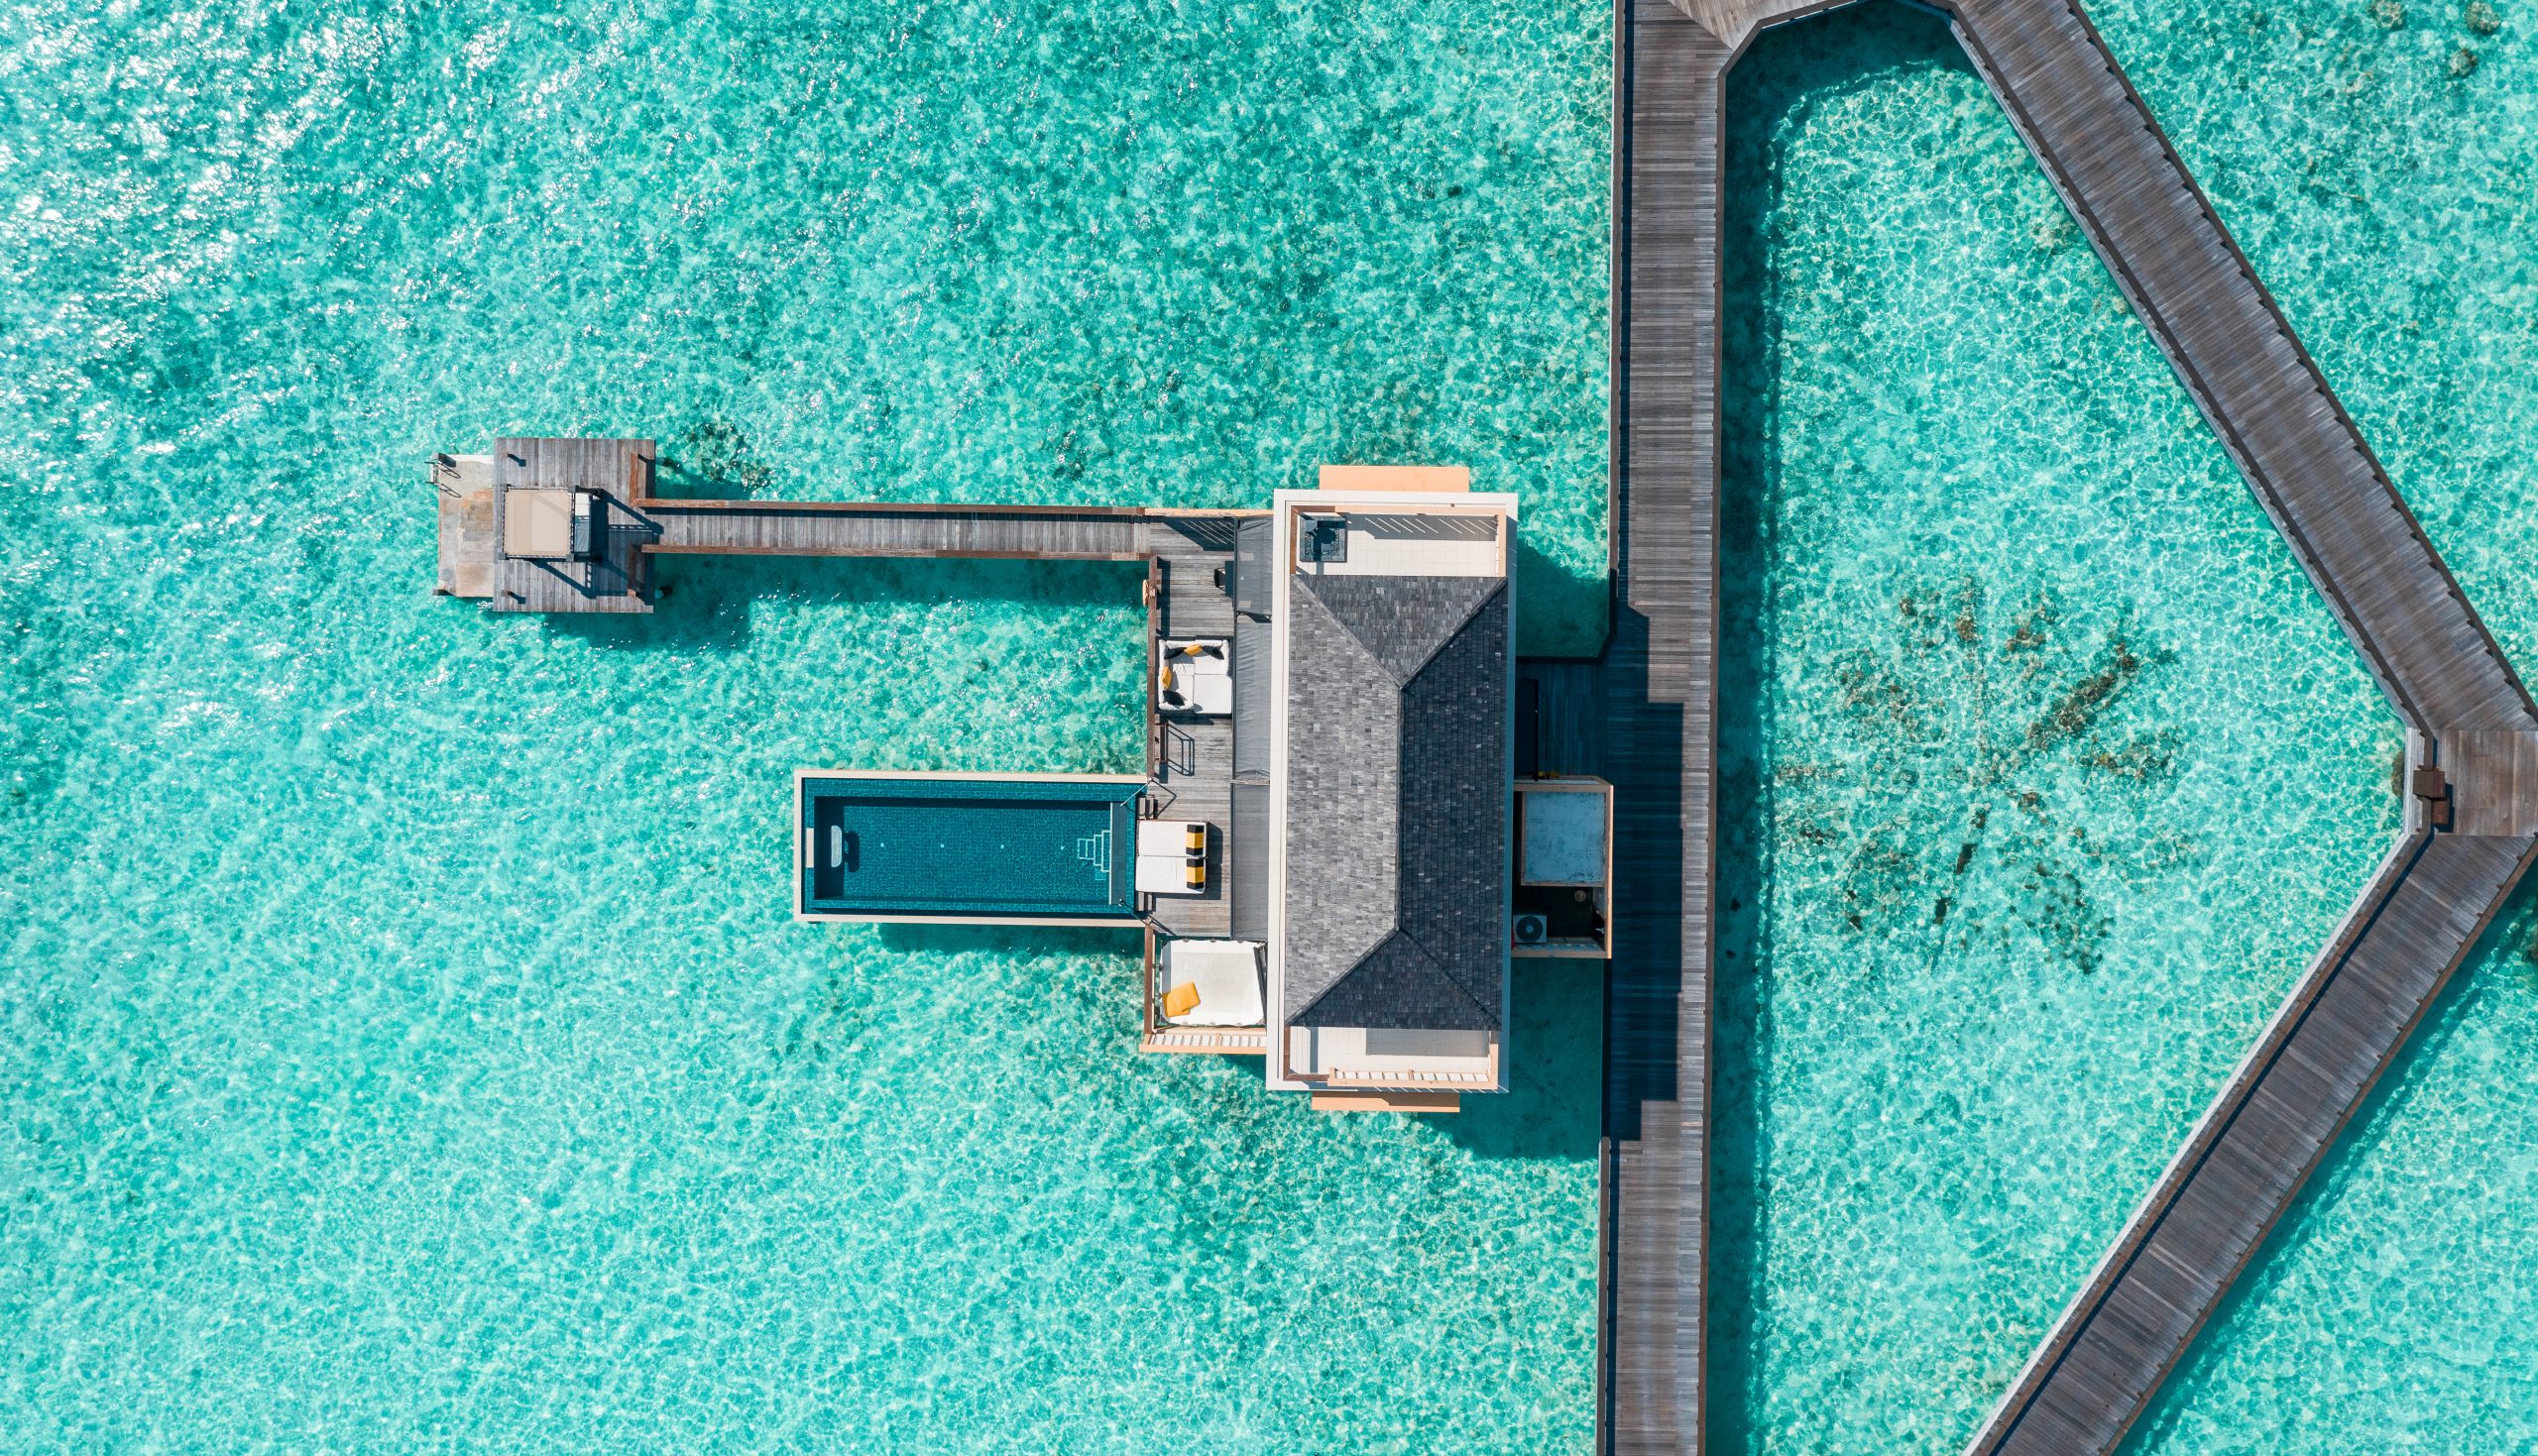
(407, 1045)
(2054, 775)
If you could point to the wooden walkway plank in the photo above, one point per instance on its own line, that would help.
(2324, 490)
(771, 528)
(1659, 686)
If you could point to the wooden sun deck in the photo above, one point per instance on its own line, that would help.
(618, 580)
(1191, 759)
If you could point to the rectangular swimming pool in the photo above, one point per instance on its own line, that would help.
(1034, 847)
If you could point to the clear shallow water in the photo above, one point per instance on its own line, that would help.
(2029, 653)
(2391, 1311)
(2392, 207)
(406, 1044)
(995, 250)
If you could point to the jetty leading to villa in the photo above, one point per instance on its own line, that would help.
(1660, 691)
(1330, 851)
(572, 525)
(2471, 770)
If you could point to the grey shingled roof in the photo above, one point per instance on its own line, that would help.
(1396, 802)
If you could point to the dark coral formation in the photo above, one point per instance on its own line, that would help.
(1930, 802)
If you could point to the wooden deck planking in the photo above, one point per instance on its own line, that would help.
(2494, 780)
(776, 528)
(1192, 766)
(619, 578)
(1659, 682)
(1569, 708)
(1194, 779)
(2434, 660)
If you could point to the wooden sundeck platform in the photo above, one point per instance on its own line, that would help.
(619, 578)
(464, 487)
(1191, 759)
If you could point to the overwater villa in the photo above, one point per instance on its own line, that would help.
(1391, 686)
(1333, 853)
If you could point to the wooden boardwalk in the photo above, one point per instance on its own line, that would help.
(1660, 684)
(2462, 850)
(641, 526)
(2466, 845)
(818, 528)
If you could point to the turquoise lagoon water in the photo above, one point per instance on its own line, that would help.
(407, 1045)
(2057, 772)
(2391, 1311)
(2393, 207)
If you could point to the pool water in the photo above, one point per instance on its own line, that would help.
(2392, 204)
(981, 848)
(409, 1045)
(2057, 774)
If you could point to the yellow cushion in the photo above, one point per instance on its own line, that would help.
(1181, 1000)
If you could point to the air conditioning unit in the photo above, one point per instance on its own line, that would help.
(1532, 930)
